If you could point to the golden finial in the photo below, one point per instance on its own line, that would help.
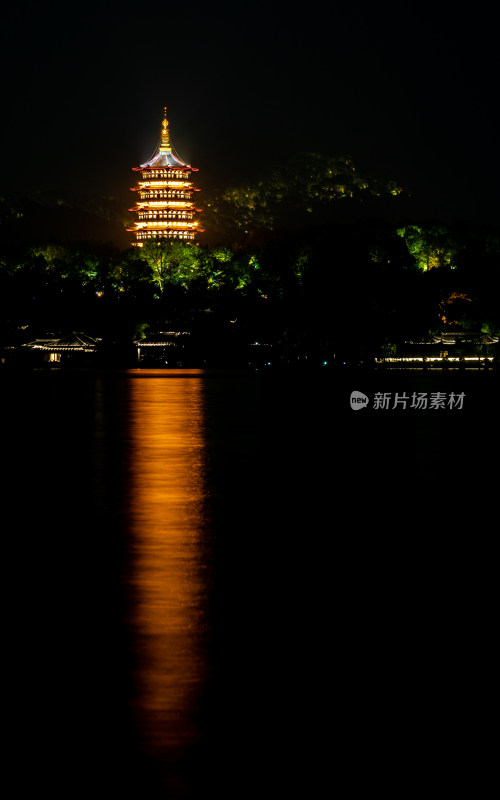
(165, 139)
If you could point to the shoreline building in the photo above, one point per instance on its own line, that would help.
(165, 207)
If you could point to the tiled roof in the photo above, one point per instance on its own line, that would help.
(73, 341)
(165, 159)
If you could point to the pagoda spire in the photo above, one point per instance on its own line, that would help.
(165, 135)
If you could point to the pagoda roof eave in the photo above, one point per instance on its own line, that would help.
(165, 158)
(183, 167)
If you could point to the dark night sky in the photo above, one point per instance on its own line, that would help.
(408, 89)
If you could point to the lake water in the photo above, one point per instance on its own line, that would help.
(233, 584)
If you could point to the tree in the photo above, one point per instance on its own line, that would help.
(297, 193)
(172, 262)
(431, 246)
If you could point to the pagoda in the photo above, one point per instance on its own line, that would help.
(165, 208)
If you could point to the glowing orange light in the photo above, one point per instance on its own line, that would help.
(166, 509)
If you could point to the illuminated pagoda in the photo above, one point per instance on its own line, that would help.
(165, 208)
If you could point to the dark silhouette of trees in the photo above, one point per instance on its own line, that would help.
(311, 291)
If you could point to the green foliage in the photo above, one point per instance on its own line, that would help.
(67, 261)
(9, 212)
(307, 185)
(310, 289)
(301, 263)
(388, 350)
(222, 254)
(172, 263)
(431, 246)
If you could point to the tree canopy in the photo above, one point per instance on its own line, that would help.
(270, 273)
(303, 191)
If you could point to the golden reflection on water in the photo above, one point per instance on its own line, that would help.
(167, 582)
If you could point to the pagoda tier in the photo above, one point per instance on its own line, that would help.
(164, 207)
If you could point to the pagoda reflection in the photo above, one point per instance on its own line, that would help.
(167, 585)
